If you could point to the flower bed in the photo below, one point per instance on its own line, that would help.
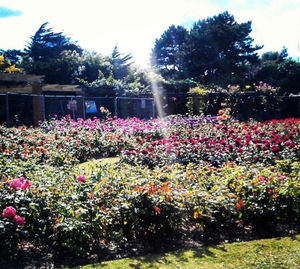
(208, 176)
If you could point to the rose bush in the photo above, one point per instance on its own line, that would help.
(179, 175)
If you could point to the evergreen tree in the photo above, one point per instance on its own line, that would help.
(43, 55)
(216, 50)
(219, 49)
(120, 63)
(168, 53)
(46, 44)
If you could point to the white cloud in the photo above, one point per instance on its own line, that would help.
(135, 24)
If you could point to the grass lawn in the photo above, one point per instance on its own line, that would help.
(267, 253)
(90, 165)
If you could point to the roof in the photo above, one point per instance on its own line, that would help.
(21, 78)
(21, 83)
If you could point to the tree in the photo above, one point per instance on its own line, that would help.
(168, 53)
(278, 70)
(43, 55)
(12, 55)
(273, 56)
(111, 75)
(45, 44)
(216, 50)
(120, 63)
(219, 49)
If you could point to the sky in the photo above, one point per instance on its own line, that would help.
(133, 25)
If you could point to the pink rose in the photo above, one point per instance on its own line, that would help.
(19, 220)
(26, 185)
(9, 212)
(20, 183)
(17, 183)
(282, 178)
(81, 178)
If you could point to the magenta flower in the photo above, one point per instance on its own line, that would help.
(81, 178)
(20, 183)
(261, 178)
(18, 220)
(17, 183)
(9, 212)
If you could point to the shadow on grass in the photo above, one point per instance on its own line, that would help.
(179, 256)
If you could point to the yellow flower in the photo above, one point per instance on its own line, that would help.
(12, 69)
(197, 214)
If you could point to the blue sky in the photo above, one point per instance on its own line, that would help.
(8, 12)
(134, 25)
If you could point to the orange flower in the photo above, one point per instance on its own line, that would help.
(157, 209)
(224, 117)
(91, 194)
(221, 112)
(219, 118)
(239, 204)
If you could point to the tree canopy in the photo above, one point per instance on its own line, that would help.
(168, 54)
(42, 56)
(215, 50)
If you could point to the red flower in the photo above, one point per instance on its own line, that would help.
(26, 185)
(239, 204)
(275, 149)
(144, 151)
(230, 147)
(19, 220)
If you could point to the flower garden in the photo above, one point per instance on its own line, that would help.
(205, 179)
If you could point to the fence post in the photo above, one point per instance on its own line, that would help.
(37, 103)
(116, 106)
(7, 110)
(153, 109)
(83, 107)
(43, 108)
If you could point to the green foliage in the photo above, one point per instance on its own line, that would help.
(42, 56)
(12, 55)
(280, 71)
(197, 102)
(111, 76)
(215, 50)
(209, 176)
(169, 52)
(46, 44)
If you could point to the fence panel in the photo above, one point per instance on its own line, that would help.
(62, 105)
(27, 109)
(143, 108)
(19, 110)
(93, 106)
(176, 104)
(3, 108)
